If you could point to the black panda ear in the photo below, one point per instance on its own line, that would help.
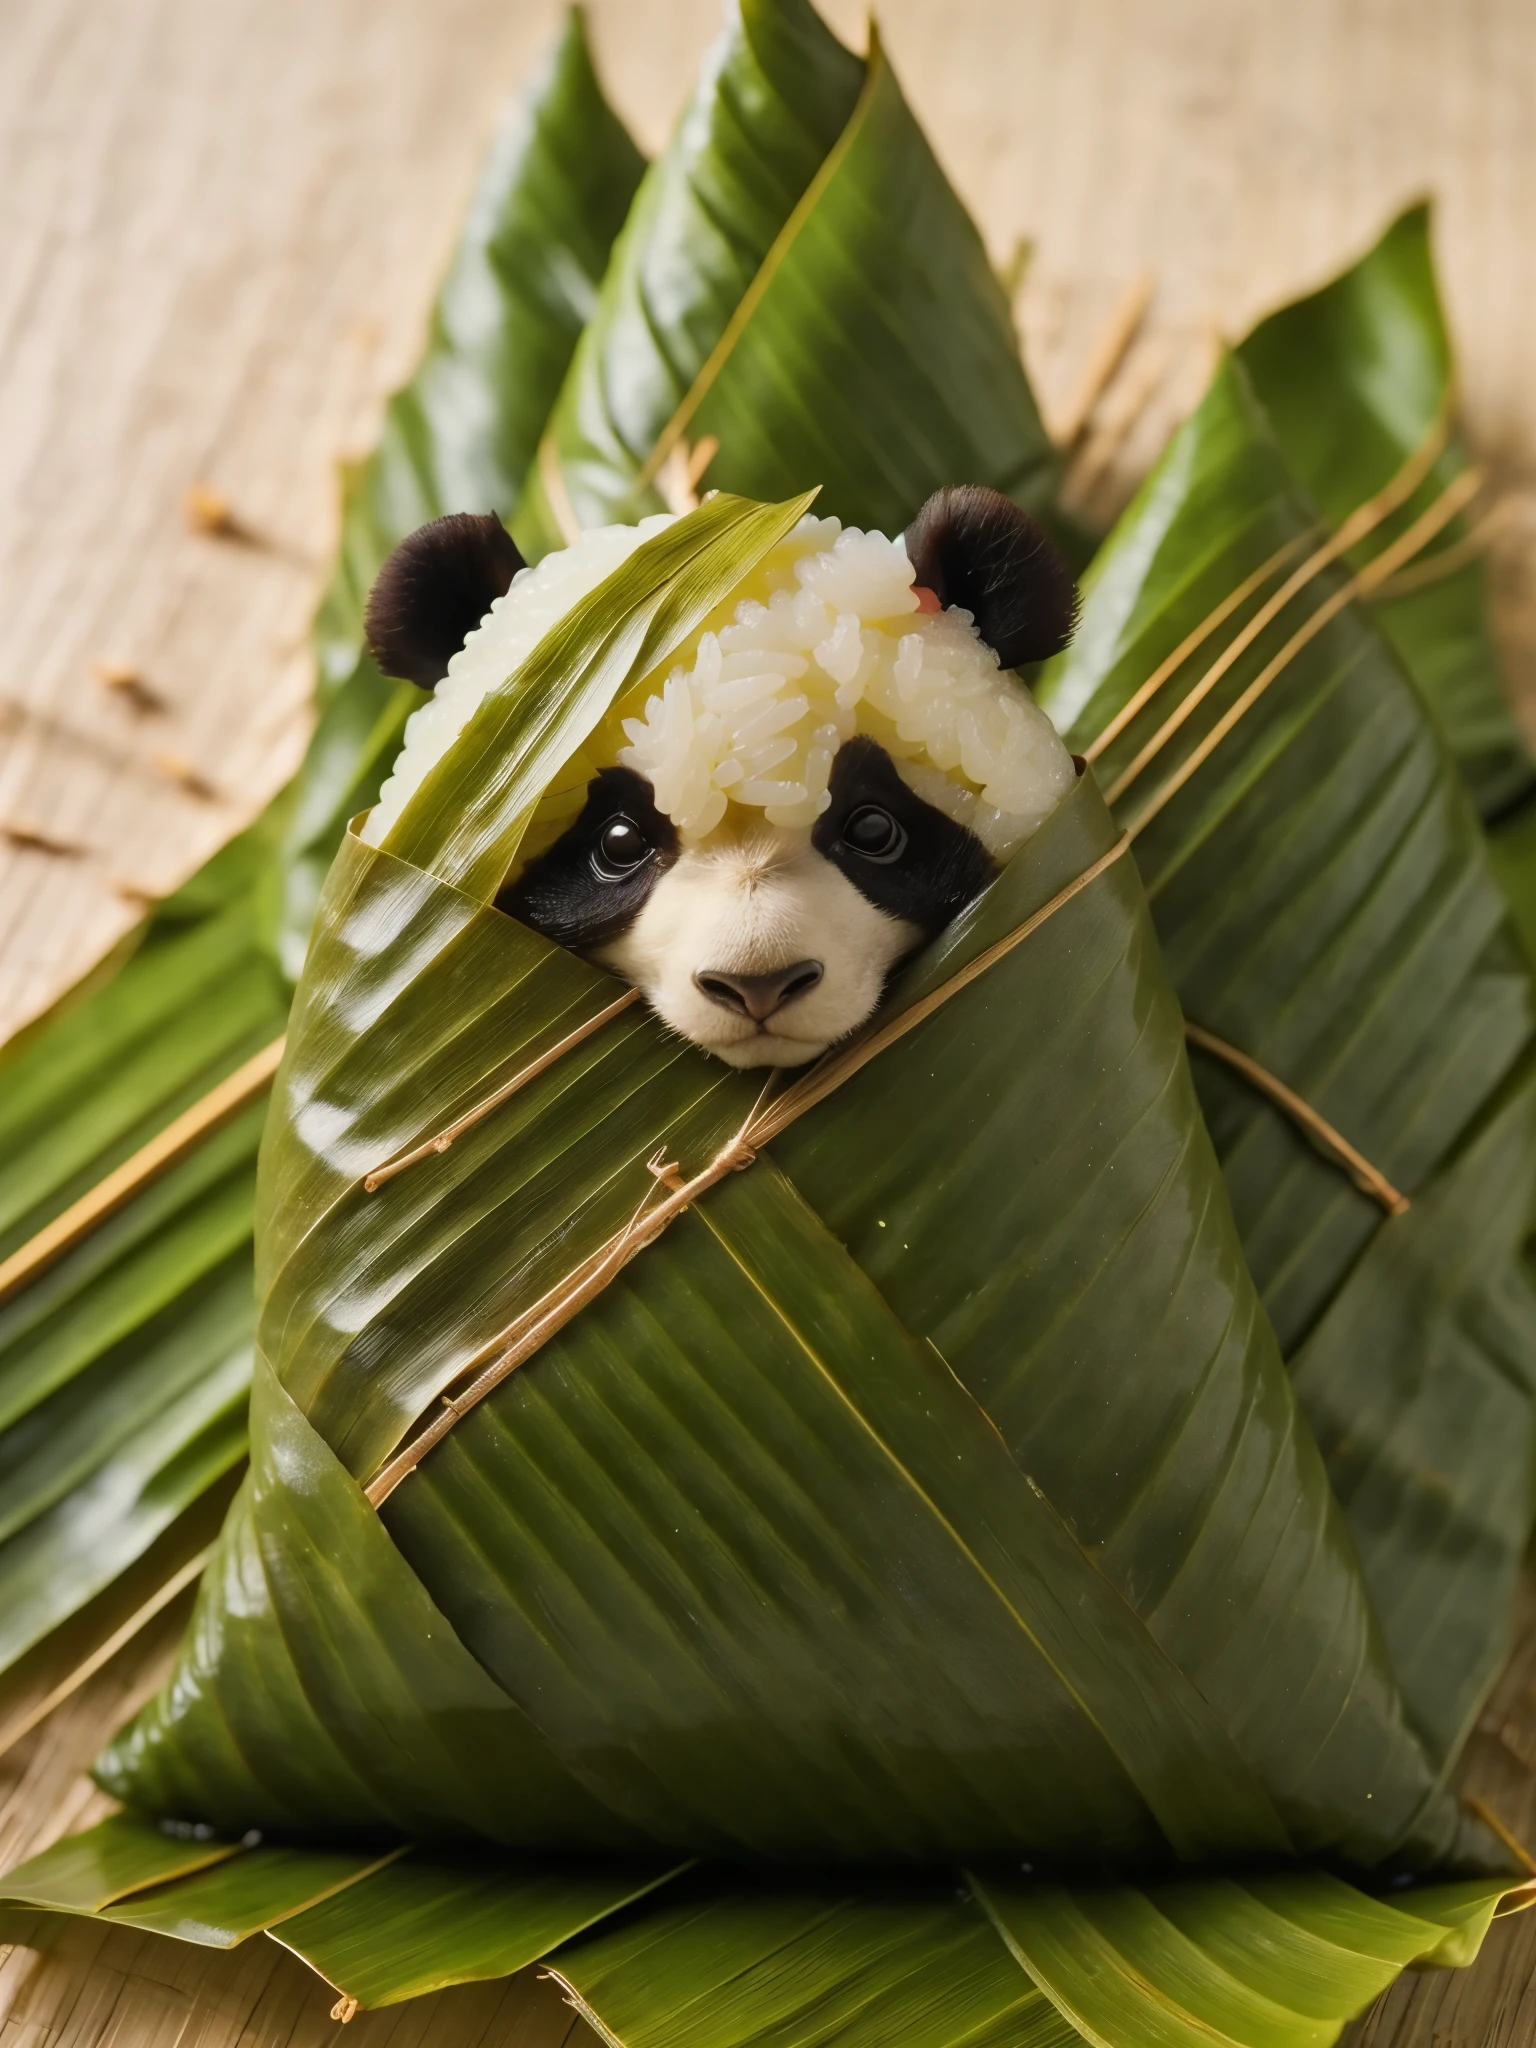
(973, 547)
(433, 590)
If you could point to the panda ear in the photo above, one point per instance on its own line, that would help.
(433, 590)
(973, 547)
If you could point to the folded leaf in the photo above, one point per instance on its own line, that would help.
(724, 1962)
(122, 1368)
(461, 434)
(1355, 377)
(720, 1957)
(1267, 1962)
(1325, 903)
(459, 437)
(424, 1922)
(799, 282)
(734, 1496)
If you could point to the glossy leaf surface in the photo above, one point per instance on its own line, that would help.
(1266, 1962)
(461, 434)
(428, 1921)
(523, 282)
(799, 282)
(577, 1530)
(721, 1957)
(1356, 377)
(122, 1369)
(733, 1962)
(1324, 901)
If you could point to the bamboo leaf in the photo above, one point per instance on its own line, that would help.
(798, 282)
(459, 437)
(738, 1962)
(467, 820)
(725, 1958)
(1354, 377)
(1419, 1383)
(1085, 1284)
(428, 1921)
(810, 1376)
(243, 1895)
(776, 91)
(1325, 903)
(319, 1684)
(618, 1670)
(879, 359)
(84, 1873)
(118, 1364)
(1265, 1962)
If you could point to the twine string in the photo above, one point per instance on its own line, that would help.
(434, 1146)
(1481, 1810)
(1361, 522)
(1367, 1178)
(147, 1164)
(1376, 572)
(1197, 637)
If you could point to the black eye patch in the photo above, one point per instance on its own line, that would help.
(903, 855)
(593, 882)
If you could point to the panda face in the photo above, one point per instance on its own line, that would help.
(762, 945)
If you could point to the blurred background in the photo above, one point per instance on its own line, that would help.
(224, 221)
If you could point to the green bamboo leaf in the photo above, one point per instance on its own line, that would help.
(428, 1921)
(878, 356)
(84, 1873)
(1512, 850)
(776, 91)
(1419, 1384)
(738, 1962)
(523, 283)
(1355, 376)
(197, 1001)
(174, 1419)
(244, 1895)
(798, 281)
(112, 1334)
(808, 1375)
(1265, 1962)
(1055, 1223)
(518, 1198)
(371, 1301)
(460, 436)
(319, 1685)
(1325, 903)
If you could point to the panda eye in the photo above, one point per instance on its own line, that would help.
(875, 834)
(621, 848)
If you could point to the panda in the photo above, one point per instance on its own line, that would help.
(837, 764)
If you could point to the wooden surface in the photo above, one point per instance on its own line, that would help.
(223, 221)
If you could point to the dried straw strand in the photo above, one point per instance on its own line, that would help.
(430, 1147)
(1423, 529)
(1367, 1178)
(1361, 522)
(145, 1165)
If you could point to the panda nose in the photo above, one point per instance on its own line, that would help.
(758, 995)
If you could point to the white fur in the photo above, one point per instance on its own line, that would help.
(754, 904)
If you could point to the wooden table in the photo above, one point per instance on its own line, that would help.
(223, 222)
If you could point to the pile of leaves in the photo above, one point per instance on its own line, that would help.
(1170, 1476)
